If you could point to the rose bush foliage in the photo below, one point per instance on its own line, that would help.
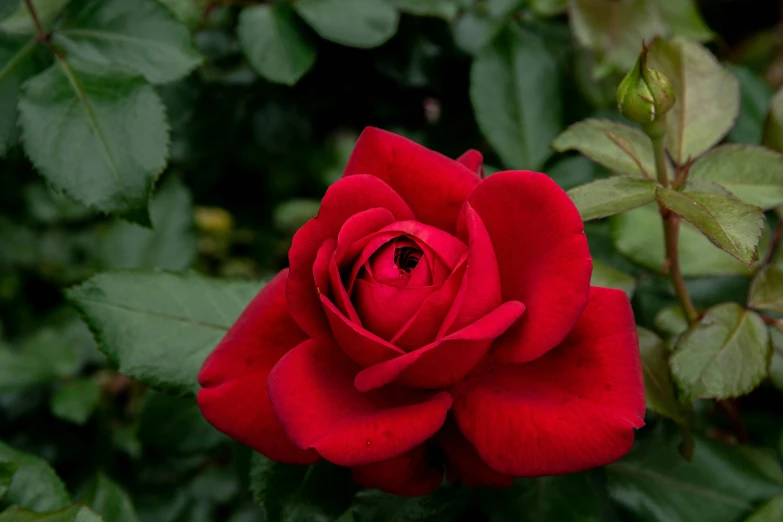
(433, 320)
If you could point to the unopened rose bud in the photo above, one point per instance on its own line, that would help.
(645, 95)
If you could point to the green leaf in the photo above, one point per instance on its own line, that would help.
(726, 354)
(35, 485)
(766, 291)
(773, 128)
(776, 366)
(355, 23)
(772, 511)
(159, 327)
(755, 96)
(616, 146)
(290, 215)
(76, 401)
(708, 96)
(683, 17)
(69, 514)
(574, 497)
(752, 174)
(7, 470)
(549, 7)
(300, 493)
(515, 91)
(275, 44)
(186, 11)
(108, 500)
(446, 9)
(171, 244)
(638, 235)
(142, 36)
(722, 484)
(69, 116)
(658, 385)
(16, 65)
(7, 8)
(606, 197)
(615, 30)
(730, 224)
(444, 505)
(572, 171)
(671, 321)
(608, 277)
(474, 31)
(175, 425)
(20, 21)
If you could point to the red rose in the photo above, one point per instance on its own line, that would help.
(425, 307)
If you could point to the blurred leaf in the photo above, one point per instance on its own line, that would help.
(752, 174)
(108, 500)
(176, 425)
(69, 116)
(708, 96)
(671, 321)
(300, 493)
(515, 91)
(549, 7)
(726, 354)
(766, 292)
(772, 511)
(186, 11)
(776, 365)
(446, 9)
(616, 146)
(7, 8)
(21, 23)
(76, 401)
(159, 327)
(722, 484)
(171, 244)
(142, 36)
(606, 197)
(773, 129)
(275, 43)
(755, 96)
(574, 497)
(7, 470)
(658, 385)
(732, 225)
(443, 505)
(290, 215)
(35, 485)
(615, 30)
(638, 234)
(474, 31)
(355, 23)
(684, 19)
(69, 514)
(573, 171)
(50, 207)
(16, 65)
(608, 277)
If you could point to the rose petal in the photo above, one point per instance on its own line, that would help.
(542, 255)
(356, 228)
(365, 348)
(462, 463)
(433, 185)
(570, 410)
(342, 200)
(445, 361)
(233, 396)
(473, 160)
(410, 474)
(312, 393)
(385, 309)
(449, 248)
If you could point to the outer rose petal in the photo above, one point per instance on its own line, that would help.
(410, 474)
(342, 200)
(463, 463)
(233, 397)
(570, 410)
(473, 160)
(312, 393)
(433, 185)
(542, 255)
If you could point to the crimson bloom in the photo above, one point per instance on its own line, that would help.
(433, 320)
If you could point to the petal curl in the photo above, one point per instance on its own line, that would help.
(385, 309)
(445, 361)
(342, 200)
(233, 396)
(473, 160)
(433, 185)
(410, 474)
(542, 254)
(463, 464)
(311, 391)
(572, 409)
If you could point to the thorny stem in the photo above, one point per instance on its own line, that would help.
(671, 232)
